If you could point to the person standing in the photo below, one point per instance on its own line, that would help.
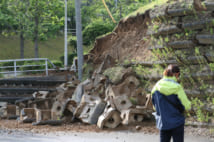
(170, 101)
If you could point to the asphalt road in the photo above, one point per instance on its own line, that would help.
(125, 136)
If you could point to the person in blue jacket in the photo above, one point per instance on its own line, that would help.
(170, 101)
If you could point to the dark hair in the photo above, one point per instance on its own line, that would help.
(170, 70)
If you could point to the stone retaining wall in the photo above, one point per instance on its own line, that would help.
(182, 35)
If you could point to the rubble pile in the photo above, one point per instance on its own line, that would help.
(106, 100)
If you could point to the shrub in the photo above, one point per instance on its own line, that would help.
(42, 63)
(94, 30)
(71, 56)
(57, 63)
(72, 40)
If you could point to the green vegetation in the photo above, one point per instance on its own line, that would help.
(148, 6)
(33, 25)
(94, 30)
(52, 49)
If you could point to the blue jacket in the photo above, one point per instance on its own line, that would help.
(168, 116)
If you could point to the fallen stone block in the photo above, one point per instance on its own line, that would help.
(91, 111)
(3, 109)
(132, 116)
(107, 63)
(138, 98)
(57, 110)
(117, 74)
(62, 88)
(12, 111)
(125, 88)
(205, 39)
(99, 79)
(27, 115)
(122, 102)
(40, 94)
(42, 115)
(24, 103)
(78, 93)
(41, 103)
(69, 108)
(110, 119)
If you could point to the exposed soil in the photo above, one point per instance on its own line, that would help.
(127, 42)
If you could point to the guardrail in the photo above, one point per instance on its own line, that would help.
(16, 66)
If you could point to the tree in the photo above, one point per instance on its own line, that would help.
(19, 12)
(48, 19)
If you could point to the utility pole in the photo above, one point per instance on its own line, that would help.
(66, 43)
(79, 37)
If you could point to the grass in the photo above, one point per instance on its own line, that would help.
(10, 48)
(142, 10)
(51, 49)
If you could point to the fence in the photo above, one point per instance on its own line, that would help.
(23, 67)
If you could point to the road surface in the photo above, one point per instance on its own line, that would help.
(124, 136)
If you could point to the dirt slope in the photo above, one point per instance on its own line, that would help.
(126, 42)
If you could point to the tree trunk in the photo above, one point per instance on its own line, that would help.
(79, 37)
(36, 32)
(22, 45)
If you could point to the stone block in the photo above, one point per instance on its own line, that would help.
(27, 115)
(69, 108)
(62, 88)
(40, 94)
(194, 60)
(181, 44)
(129, 84)
(92, 111)
(197, 24)
(11, 111)
(122, 102)
(210, 57)
(209, 5)
(107, 63)
(158, 12)
(3, 109)
(205, 39)
(117, 74)
(57, 110)
(78, 93)
(181, 8)
(110, 119)
(43, 115)
(164, 30)
(132, 116)
(41, 103)
(203, 76)
(157, 47)
(165, 62)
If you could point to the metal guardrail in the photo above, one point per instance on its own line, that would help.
(16, 66)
